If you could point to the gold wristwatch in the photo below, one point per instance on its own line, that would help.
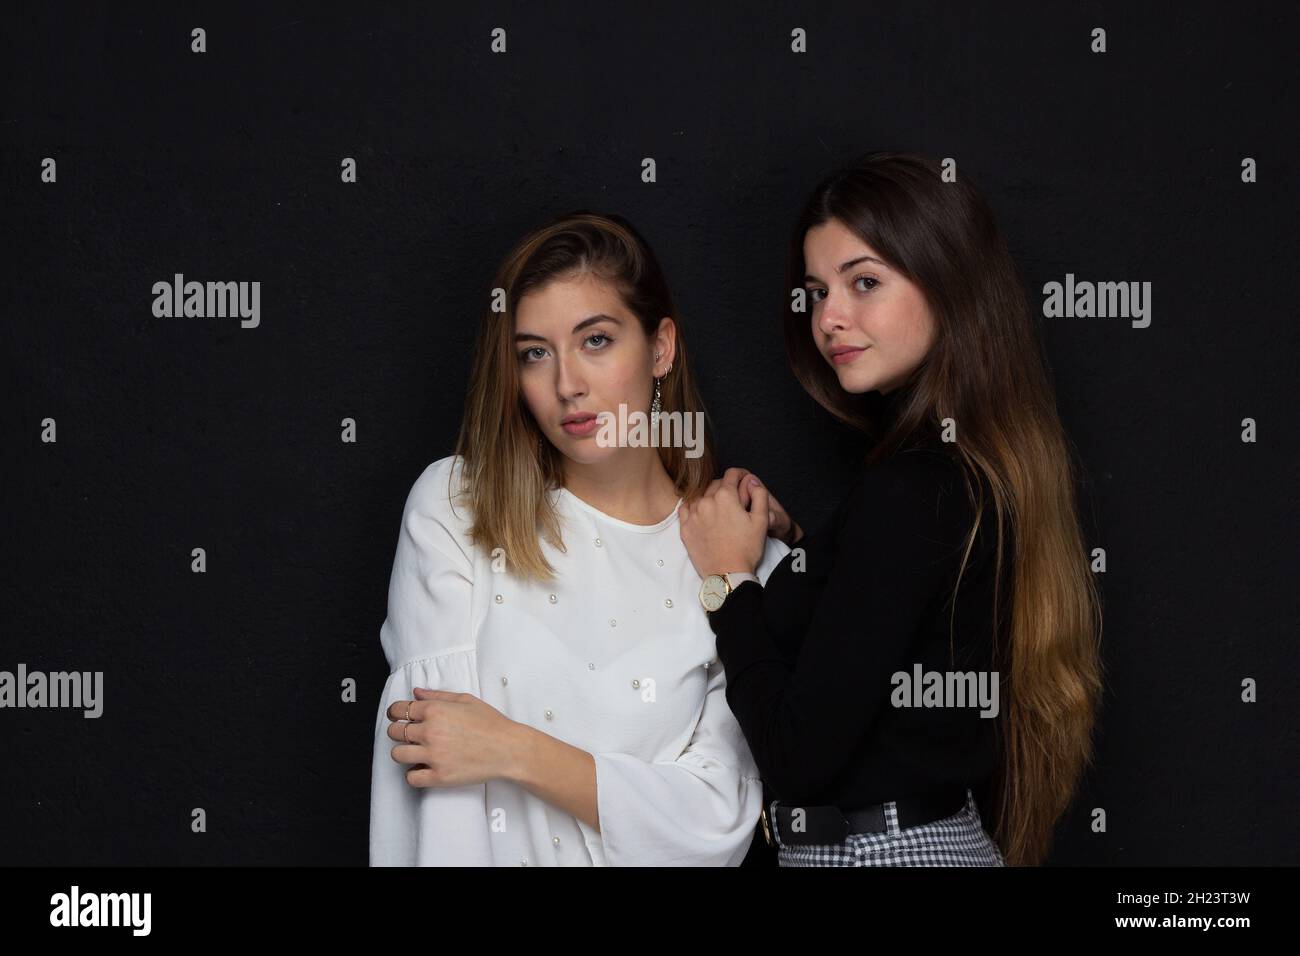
(715, 588)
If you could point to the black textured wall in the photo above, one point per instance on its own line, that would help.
(222, 689)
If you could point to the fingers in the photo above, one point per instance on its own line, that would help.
(406, 733)
(410, 734)
(730, 482)
(423, 693)
(735, 484)
(397, 710)
(410, 714)
(412, 754)
(735, 476)
(735, 481)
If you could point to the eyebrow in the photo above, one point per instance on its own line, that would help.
(590, 320)
(848, 265)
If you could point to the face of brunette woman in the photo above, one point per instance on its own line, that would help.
(871, 323)
(582, 352)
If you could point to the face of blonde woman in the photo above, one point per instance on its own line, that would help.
(581, 352)
(871, 324)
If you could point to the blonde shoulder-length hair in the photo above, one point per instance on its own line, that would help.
(509, 465)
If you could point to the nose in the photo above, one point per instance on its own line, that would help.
(569, 383)
(830, 317)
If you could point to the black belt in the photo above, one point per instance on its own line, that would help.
(798, 825)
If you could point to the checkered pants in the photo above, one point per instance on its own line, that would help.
(958, 840)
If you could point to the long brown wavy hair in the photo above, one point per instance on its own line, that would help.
(509, 464)
(987, 371)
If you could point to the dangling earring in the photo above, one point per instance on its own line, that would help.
(656, 405)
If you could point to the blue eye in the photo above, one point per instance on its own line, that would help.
(524, 356)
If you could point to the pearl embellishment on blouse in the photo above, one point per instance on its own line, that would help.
(498, 598)
(552, 599)
(549, 714)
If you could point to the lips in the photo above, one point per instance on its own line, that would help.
(843, 354)
(580, 423)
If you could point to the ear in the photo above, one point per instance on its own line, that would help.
(664, 344)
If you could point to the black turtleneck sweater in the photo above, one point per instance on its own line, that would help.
(810, 656)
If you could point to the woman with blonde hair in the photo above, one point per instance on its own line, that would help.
(938, 637)
(555, 697)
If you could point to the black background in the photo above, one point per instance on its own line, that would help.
(222, 689)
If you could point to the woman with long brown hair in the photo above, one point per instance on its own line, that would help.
(938, 637)
(555, 698)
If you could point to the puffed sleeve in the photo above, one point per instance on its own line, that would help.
(699, 809)
(428, 641)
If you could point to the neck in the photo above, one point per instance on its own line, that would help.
(632, 485)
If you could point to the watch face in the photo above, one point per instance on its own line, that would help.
(713, 592)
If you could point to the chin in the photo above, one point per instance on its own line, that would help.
(585, 451)
(858, 383)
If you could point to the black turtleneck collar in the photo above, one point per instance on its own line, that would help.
(885, 407)
(889, 401)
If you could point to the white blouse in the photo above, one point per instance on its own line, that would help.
(615, 656)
